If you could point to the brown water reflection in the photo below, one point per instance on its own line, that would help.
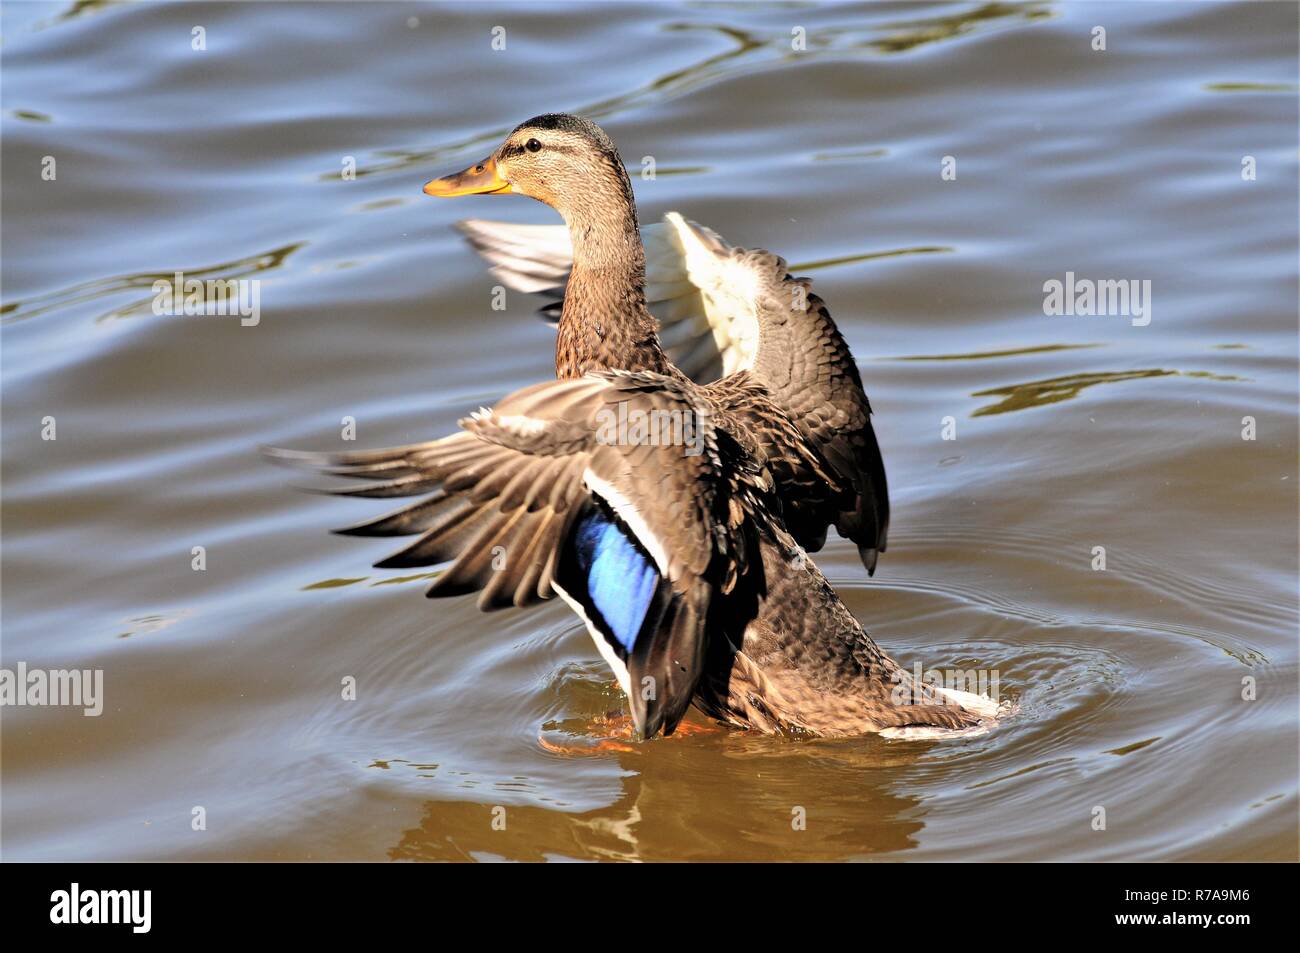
(764, 820)
(1038, 393)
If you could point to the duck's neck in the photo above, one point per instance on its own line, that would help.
(604, 324)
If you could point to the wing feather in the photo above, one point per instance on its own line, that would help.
(724, 311)
(503, 493)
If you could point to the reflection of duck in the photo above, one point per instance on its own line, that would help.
(736, 801)
(677, 551)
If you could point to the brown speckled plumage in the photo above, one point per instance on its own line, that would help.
(807, 666)
(748, 628)
(805, 364)
(761, 320)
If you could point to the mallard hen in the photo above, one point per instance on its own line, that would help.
(680, 553)
(720, 311)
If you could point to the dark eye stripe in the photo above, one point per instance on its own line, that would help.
(516, 150)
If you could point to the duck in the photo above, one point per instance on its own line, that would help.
(680, 541)
(721, 313)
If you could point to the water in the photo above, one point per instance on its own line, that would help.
(223, 687)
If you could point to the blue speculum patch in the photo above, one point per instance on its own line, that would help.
(621, 580)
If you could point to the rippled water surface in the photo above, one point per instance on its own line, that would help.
(223, 687)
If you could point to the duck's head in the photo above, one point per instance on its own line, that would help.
(565, 161)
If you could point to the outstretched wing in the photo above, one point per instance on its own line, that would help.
(613, 490)
(800, 357)
(723, 310)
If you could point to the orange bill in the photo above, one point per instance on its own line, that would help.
(481, 179)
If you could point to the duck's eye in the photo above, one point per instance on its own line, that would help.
(532, 145)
